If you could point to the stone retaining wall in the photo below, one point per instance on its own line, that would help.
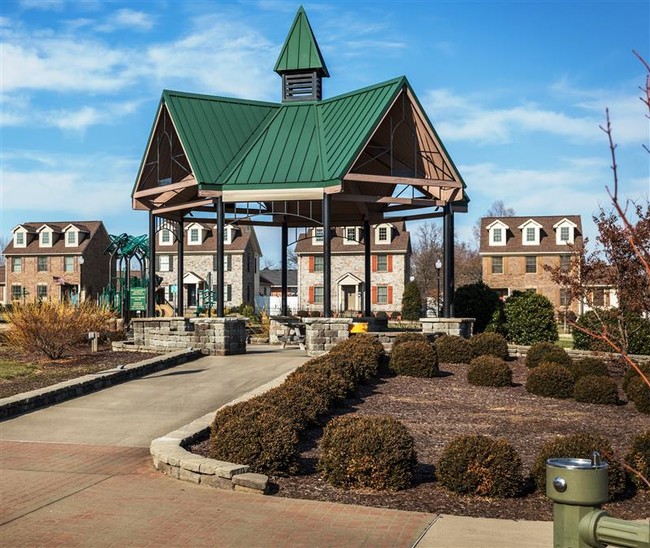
(212, 336)
(518, 351)
(448, 326)
(73, 388)
(323, 334)
(280, 326)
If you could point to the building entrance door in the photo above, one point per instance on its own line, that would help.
(349, 297)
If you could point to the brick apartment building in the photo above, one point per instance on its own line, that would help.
(515, 250)
(241, 260)
(390, 264)
(58, 261)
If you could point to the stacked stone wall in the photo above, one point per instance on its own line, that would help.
(323, 334)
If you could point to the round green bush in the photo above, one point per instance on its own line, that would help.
(336, 380)
(489, 371)
(639, 393)
(596, 389)
(367, 451)
(480, 465)
(364, 352)
(530, 318)
(454, 349)
(252, 433)
(478, 301)
(414, 359)
(638, 458)
(490, 344)
(579, 446)
(588, 366)
(547, 352)
(551, 381)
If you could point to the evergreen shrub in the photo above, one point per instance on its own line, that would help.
(478, 301)
(367, 451)
(414, 358)
(479, 465)
(489, 371)
(547, 352)
(639, 393)
(638, 458)
(454, 349)
(580, 446)
(551, 381)
(596, 389)
(588, 366)
(530, 318)
(490, 344)
(363, 351)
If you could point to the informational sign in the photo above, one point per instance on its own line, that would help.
(138, 298)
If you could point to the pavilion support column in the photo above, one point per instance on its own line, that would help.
(367, 236)
(180, 297)
(220, 255)
(448, 273)
(327, 258)
(151, 294)
(284, 309)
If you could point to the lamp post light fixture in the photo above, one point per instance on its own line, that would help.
(438, 267)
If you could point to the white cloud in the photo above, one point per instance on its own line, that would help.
(128, 19)
(45, 5)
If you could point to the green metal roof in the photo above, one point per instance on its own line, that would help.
(300, 51)
(214, 131)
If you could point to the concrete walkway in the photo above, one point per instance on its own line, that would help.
(80, 474)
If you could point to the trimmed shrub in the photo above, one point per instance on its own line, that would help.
(631, 374)
(547, 352)
(372, 452)
(637, 329)
(411, 302)
(490, 344)
(454, 349)
(363, 351)
(251, 433)
(409, 336)
(489, 371)
(639, 458)
(639, 393)
(551, 381)
(530, 318)
(596, 389)
(335, 379)
(298, 402)
(54, 328)
(588, 366)
(381, 315)
(480, 465)
(579, 446)
(414, 358)
(478, 301)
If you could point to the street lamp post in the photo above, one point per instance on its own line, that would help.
(438, 267)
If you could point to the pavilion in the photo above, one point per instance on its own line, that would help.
(361, 158)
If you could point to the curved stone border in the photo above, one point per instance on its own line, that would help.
(73, 388)
(171, 458)
(519, 351)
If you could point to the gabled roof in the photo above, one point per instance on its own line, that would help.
(530, 222)
(59, 247)
(273, 277)
(498, 223)
(400, 243)
(300, 51)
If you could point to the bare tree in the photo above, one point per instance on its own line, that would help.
(427, 249)
(497, 209)
(4, 242)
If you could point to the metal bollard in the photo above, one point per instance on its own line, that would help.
(577, 488)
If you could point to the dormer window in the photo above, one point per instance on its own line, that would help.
(165, 237)
(497, 233)
(564, 232)
(530, 232)
(46, 239)
(194, 234)
(20, 238)
(350, 235)
(383, 234)
(319, 236)
(71, 238)
(228, 234)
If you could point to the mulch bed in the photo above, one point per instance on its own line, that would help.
(48, 372)
(440, 409)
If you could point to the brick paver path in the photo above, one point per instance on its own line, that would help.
(54, 494)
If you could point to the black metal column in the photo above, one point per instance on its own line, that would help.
(448, 273)
(327, 258)
(180, 297)
(151, 294)
(285, 243)
(220, 255)
(367, 237)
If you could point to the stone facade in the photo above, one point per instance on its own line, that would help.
(390, 269)
(461, 327)
(323, 334)
(57, 269)
(212, 336)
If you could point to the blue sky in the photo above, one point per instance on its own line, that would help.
(516, 91)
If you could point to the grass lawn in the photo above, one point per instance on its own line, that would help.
(10, 369)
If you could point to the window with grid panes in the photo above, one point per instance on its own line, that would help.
(383, 234)
(68, 264)
(382, 294)
(41, 291)
(564, 233)
(564, 297)
(319, 235)
(497, 265)
(17, 264)
(318, 263)
(16, 292)
(565, 263)
(530, 234)
(382, 263)
(496, 235)
(41, 264)
(19, 238)
(318, 294)
(531, 265)
(194, 235)
(45, 238)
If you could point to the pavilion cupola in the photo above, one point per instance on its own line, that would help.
(300, 63)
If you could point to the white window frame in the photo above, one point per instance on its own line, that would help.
(227, 234)
(20, 232)
(379, 239)
(530, 224)
(319, 294)
(65, 259)
(38, 291)
(165, 262)
(190, 230)
(169, 240)
(41, 237)
(382, 294)
(318, 236)
(19, 262)
(565, 223)
(74, 241)
(351, 231)
(492, 228)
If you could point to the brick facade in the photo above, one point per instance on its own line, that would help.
(516, 256)
(57, 270)
(390, 270)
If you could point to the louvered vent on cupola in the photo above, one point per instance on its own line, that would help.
(300, 63)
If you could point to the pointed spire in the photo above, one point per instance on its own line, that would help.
(300, 52)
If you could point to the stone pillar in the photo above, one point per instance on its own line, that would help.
(448, 326)
(323, 334)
